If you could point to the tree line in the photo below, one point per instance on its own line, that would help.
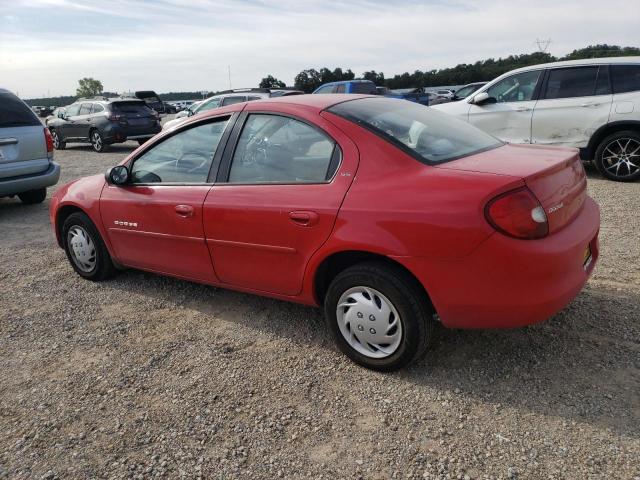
(310, 79)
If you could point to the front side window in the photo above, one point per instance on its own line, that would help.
(185, 157)
(72, 110)
(340, 89)
(571, 82)
(85, 109)
(426, 134)
(625, 78)
(208, 105)
(325, 89)
(516, 88)
(278, 149)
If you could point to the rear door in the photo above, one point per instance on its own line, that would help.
(574, 103)
(509, 116)
(278, 192)
(23, 150)
(155, 222)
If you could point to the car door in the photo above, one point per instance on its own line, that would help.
(82, 123)
(155, 221)
(68, 127)
(279, 189)
(574, 102)
(508, 111)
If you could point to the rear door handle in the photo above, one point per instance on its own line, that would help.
(589, 104)
(184, 210)
(8, 141)
(304, 218)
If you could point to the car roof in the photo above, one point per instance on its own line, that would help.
(316, 100)
(583, 61)
(346, 81)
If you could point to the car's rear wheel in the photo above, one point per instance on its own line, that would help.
(58, 143)
(379, 316)
(85, 249)
(33, 196)
(618, 156)
(97, 142)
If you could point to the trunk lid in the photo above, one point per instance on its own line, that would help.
(554, 175)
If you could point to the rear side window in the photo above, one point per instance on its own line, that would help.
(367, 88)
(97, 108)
(278, 149)
(571, 82)
(85, 109)
(15, 113)
(428, 135)
(626, 78)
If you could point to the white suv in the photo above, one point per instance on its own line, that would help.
(591, 104)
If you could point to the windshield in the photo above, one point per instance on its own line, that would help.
(428, 135)
(464, 92)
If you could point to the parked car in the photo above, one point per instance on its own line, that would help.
(228, 97)
(26, 152)
(368, 87)
(442, 222)
(41, 110)
(102, 122)
(464, 92)
(151, 98)
(169, 108)
(591, 104)
(285, 92)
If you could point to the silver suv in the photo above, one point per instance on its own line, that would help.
(26, 152)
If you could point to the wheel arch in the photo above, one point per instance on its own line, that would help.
(61, 215)
(604, 131)
(337, 262)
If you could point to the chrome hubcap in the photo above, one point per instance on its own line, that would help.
(369, 322)
(97, 141)
(622, 157)
(56, 141)
(82, 249)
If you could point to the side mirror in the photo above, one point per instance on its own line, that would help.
(482, 99)
(118, 175)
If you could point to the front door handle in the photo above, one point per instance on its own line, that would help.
(522, 109)
(184, 210)
(304, 218)
(589, 104)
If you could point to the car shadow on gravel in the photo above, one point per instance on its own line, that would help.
(115, 148)
(581, 365)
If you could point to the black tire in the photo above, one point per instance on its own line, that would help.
(97, 142)
(33, 196)
(406, 296)
(142, 141)
(103, 267)
(58, 143)
(611, 152)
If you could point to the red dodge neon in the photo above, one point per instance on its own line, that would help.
(389, 214)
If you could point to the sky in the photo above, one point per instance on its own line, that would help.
(174, 45)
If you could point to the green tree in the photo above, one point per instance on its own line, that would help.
(308, 80)
(271, 82)
(89, 87)
(603, 50)
(375, 77)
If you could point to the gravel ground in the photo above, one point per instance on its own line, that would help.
(145, 376)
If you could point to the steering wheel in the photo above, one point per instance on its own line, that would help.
(191, 162)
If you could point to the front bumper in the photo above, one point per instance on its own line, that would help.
(507, 282)
(24, 183)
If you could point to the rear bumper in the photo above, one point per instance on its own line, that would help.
(508, 283)
(116, 134)
(24, 183)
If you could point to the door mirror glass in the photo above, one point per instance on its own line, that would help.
(118, 175)
(482, 99)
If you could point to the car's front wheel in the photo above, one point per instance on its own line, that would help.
(97, 142)
(618, 156)
(379, 316)
(85, 249)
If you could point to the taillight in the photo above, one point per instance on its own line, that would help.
(114, 117)
(518, 213)
(49, 140)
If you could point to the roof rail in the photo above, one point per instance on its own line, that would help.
(96, 97)
(242, 90)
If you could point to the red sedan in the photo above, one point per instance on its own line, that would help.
(390, 215)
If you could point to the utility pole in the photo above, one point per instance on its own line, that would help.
(229, 69)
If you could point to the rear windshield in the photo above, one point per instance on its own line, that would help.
(428, 135)
(133, 108)
(15, 113)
